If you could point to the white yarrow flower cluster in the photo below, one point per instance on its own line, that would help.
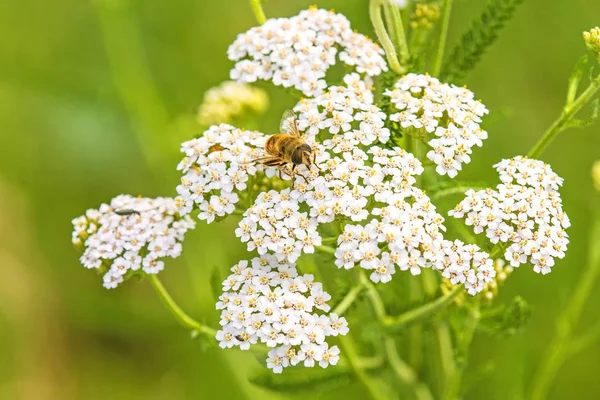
(130, 234)
(297, 52)
(524, 212)
(341, 181)
(408, 235)
(275, 224)
(427, 106)
(266, 301)
(216, 167)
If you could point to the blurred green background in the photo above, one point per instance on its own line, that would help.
(89, 90)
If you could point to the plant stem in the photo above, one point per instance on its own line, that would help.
(561, 123)
(177, 312)
(428, 309)
(258, 11)
(325, 249)
(559, 349)
(349, 349)
(347, 301)
(439, 54)
(447, 364)
(348, 346)
(402, 370)
(398, 30)
(440, 194)
(386, 42)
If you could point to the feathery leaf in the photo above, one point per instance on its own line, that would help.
(483, 32)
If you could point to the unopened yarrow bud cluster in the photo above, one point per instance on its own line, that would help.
(130, 234)
(296, 52)
(425, 16)
(592, 40)
(450, 114)
(524, 213)
(230, 101)
(266, 301)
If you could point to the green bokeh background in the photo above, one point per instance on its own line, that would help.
(88, 89)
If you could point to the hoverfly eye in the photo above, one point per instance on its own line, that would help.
(298, 157)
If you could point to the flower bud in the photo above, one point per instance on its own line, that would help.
(592, 40)
(425, 16)
(231, 101)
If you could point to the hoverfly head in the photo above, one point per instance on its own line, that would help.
(302, 155)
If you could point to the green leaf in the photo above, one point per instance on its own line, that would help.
(483, 32)
(506, 320)
(575, 79)
(303, 381)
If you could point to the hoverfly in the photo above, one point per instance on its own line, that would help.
(288, 147)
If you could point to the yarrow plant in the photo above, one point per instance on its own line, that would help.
(349, 197)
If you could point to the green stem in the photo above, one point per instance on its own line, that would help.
(439, 194)
(585, 340)
(561, 123)
(348, 346)
(349, 349)
(177, 312)
(446, 362)
(348, 300)
(258, 11)
(325, 249)
(402, 370)
(384, 39)
(439, 54)
(426, 310)
(559, 349)
(332, 239)
(398, 30)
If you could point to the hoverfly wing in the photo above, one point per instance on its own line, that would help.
(289, 123)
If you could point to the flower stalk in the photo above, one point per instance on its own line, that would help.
(421, 312)
(560, 347)
(177, 312)
(397, 30)
(382, 35)
(402, 370)
(567, 115)
(258, 11)
(441, 45)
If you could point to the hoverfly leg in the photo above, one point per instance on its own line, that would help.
(303, 177)
(315, 162)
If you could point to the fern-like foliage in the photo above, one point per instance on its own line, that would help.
(387, 81)
(483, 32)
